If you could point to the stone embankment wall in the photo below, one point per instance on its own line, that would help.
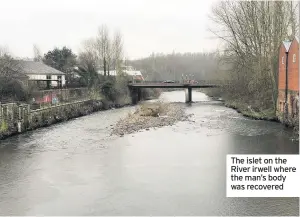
(17, 118)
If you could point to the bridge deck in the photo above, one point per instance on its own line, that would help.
(171, 85)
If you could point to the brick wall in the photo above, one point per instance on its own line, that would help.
(282, 65)
(293, 67)
(292, 105)
(293, 83)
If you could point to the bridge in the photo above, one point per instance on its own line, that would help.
(136, 87)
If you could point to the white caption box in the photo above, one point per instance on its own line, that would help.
(262, 176)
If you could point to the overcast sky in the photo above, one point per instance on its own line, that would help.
(147, 25)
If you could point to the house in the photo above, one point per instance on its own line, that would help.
(288, 80)
(40, 74)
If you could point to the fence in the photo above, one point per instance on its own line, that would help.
(53, 97)
(204, 82)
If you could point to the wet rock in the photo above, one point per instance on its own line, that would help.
(145, 118)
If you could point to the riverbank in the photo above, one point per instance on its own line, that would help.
(150, 115)
(248, 111)
(45, 117)
(267, 115)
(49, 116)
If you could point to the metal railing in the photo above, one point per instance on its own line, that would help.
(204, 82)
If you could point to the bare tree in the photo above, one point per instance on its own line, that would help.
(109, 56)
(102, 46)
(37, 53)
(106, 51)
(253, 32)
(88, 60)
(7, 64)
(117, 51)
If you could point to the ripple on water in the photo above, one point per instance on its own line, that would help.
(68, 168)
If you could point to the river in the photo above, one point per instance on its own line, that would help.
(77, 168)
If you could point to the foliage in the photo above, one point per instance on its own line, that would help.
(13, 90)
(115, 89)
(12, 87)
(87, 67)
(61, 59)
(108, 89)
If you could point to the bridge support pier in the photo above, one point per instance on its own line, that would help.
(136, 95)
(188, 95)
(139, 94)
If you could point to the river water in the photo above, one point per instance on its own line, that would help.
(77, 168)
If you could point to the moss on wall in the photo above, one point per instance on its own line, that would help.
(3, 126)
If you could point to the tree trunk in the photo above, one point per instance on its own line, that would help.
(104, 66)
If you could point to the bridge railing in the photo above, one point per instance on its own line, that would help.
(204, 82)
(158, 82)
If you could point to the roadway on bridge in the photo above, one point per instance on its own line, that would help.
(171, 85)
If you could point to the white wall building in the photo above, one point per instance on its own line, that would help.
(41, 74)
(129, 70)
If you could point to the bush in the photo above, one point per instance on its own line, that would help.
(12, 90)
(115, 89)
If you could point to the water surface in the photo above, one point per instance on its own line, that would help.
(77, 168)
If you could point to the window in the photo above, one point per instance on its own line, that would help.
(294, 58)
(48, 77)
(282, 60)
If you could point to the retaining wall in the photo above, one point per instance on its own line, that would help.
(17, 118)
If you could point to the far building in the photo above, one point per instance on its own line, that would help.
(136, 75)
(288, 80)
(40, 74)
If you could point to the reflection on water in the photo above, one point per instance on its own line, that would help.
(179, 96)
(77, 168)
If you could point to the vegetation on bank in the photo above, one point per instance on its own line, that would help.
(246, 107)
(248, 111)
(248, 66)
